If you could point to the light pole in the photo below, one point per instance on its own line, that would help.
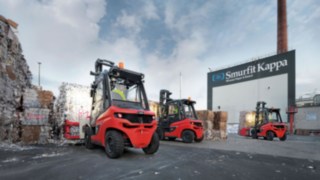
(39, 63)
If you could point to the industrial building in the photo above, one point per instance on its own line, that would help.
(238, 88)
(271, 79)
(307, 118)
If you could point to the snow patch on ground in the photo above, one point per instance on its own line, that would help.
(48, 155)
(10, 160)
(14, 147)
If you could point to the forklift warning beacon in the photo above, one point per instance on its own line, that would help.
(120, 115)
(178, 119)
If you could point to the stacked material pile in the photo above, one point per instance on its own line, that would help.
(37, 117)
(154, 107)
(215, 124)
(73, 104)
(220, 124)
(15, 77)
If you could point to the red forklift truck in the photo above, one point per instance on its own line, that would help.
(178, 119)
(120, 115)
(71, 130)
(268, 124)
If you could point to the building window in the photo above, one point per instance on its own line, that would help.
(316, 99)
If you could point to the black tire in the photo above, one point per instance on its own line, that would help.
(114, 144)
(87, 139)
(160, 133)
(153, 146)
(199, 140)
(171, 138)
(254, 134)
(187, 136)
(270, 136)
(283, 138)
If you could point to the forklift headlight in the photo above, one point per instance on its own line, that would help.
(118, 115)
(172, 128)
(153, 117)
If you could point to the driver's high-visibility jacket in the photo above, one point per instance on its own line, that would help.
(119, 93)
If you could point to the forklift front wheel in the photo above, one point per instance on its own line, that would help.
(254, 134)
(270, 135)
(87, 139)
(187, 136)
(160, 133)
(153, 146)
(114, 144)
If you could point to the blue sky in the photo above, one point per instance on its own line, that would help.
(161, 39)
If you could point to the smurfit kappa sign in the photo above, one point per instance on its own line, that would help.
(278, 64)
(249, 71)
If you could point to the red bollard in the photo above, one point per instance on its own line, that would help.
(291, 111)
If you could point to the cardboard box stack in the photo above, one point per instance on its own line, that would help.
(215, 124)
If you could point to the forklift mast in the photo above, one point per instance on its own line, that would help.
(261, 109)
(98, 66)
(164, 97)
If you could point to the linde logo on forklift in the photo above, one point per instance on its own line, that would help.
(253, 69)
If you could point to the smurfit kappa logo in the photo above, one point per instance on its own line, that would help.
(218, 77)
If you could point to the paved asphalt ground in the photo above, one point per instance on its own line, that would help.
(174, 160)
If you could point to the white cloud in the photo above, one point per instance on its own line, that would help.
(150, 10)
(129, 21)
(134, 21)
(64, 36)
(59, 33)
(165, 73)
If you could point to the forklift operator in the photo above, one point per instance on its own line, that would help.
(175, 110)
(119, 92)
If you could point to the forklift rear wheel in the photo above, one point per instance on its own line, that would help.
(187, 136)
(283, 138)
(114, 144)
(199, 140)
(153, 146)
(270, 135)
(87, 139)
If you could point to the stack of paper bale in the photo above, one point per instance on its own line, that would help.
(207, 117)
(73, 104)
(215, 124)
(220, 123)
(15, 77)
(37, 115)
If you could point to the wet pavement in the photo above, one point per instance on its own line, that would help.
(174, 160)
